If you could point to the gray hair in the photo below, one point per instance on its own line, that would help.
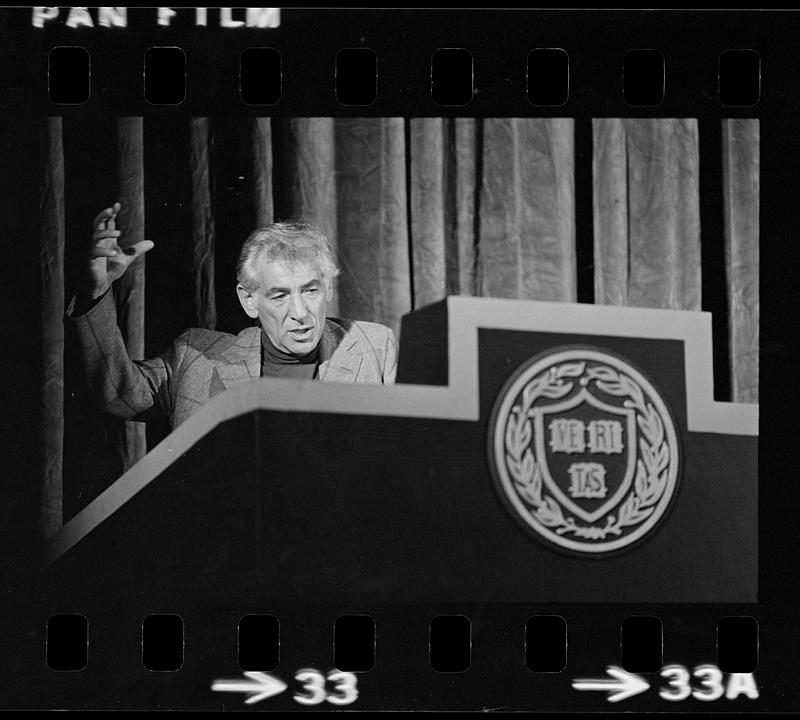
(287, 242)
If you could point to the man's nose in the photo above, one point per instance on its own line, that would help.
(297, 307)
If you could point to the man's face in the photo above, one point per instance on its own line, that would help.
(291, 302)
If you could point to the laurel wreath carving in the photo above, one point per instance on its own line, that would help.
(651, 467)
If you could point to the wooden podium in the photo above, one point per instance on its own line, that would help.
(282, 491)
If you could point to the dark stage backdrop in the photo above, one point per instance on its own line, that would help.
(646, 212)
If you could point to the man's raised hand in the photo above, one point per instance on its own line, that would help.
(107, 261)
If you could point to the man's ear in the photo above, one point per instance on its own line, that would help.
(247, 300)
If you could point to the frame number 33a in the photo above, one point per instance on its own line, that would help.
(706, 683)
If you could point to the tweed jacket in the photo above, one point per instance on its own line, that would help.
(202, 363)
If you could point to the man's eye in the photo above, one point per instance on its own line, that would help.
(312, 290)
(278, 298)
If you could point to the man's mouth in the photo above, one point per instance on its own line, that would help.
(301, 333)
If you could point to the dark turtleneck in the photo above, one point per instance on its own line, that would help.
(277, 363)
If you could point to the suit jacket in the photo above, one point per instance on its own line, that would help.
(202, 363)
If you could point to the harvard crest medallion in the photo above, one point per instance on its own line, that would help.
(584, 450)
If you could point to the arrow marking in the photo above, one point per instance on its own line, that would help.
(621, 685)
(259, 685)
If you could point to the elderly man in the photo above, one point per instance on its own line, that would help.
(285, 273)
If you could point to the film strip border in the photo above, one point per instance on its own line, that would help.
(357, 80)
(423, 657)
(385, 62)
(543, 641)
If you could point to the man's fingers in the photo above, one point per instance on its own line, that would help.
(139, 248)
(100, 218)
(111, 249)
(98, 252)
(107, 248)
(111, 222)
(105, 242)
(102, 234)
(109, 212)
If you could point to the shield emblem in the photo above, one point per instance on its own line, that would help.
(586, 450)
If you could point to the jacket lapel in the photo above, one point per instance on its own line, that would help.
(241, 362)
(340, 360)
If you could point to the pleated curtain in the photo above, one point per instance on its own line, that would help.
(416, 209)
(647, 213)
